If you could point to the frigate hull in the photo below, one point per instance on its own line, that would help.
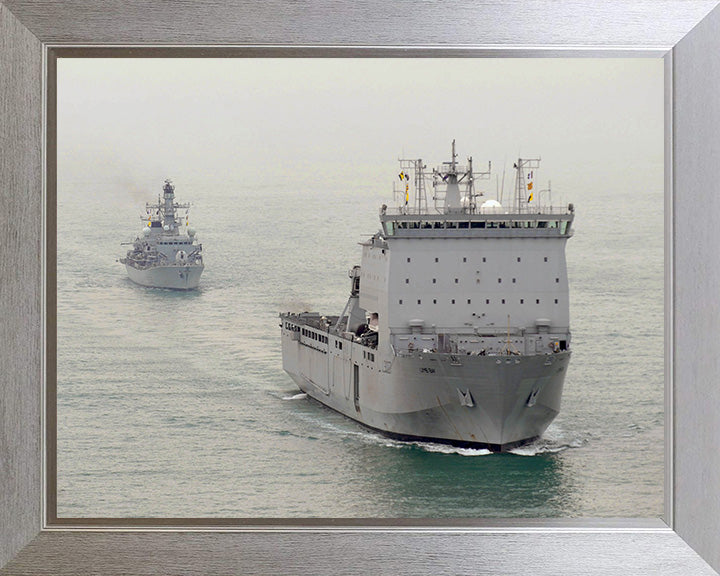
(494, 402)
(176, 277)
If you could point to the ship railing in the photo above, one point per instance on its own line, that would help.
(490, 211)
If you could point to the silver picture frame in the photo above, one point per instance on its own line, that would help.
(682, 32)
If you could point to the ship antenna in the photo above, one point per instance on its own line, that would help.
(502, 186)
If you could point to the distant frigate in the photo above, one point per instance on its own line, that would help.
(457, 326)
(166, 254)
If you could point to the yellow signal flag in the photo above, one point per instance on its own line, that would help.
(530, 197)
(530, 185)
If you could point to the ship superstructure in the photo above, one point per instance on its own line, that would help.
(457, 325)
(166, 254)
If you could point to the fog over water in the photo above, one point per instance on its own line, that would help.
(173, 404)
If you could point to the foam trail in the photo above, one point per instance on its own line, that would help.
(299, 396)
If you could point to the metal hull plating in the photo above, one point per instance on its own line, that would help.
(176, 277)
(494, 402)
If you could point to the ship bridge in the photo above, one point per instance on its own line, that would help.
(408, 223)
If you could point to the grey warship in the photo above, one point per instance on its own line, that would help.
(457, 325)
(166, 254)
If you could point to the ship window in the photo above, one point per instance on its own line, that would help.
(503, 300)
(499, 280)
(434, 301)
(434, 280)
(400, 301)
(484, 259)
(522, 301)
(487, 301)
(407, 280)
(518, 258)
(513, 280)
(436, 259)
(556, 300)
(453, 300)
(419, 302)
(464, 259)
(340, 345)
(469, 301)
(456, 280)
(408, 259)
(557, 280)
(537, 301)
(545, 258)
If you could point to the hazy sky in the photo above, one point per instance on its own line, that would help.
(254, 119)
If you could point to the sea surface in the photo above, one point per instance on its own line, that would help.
(175, 404)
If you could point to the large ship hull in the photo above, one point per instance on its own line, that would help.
(495, 402)
(175, 277)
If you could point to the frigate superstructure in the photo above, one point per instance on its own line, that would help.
(457, 327)
(166, 254)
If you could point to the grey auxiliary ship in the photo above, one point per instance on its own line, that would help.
(457, 325)
(162, 256)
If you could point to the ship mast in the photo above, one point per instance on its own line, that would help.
(420, 193)
(525, 183)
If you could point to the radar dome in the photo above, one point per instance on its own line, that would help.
(146, 232)
(490, 206)
(181, 256)
(191, 232)
(166, 227)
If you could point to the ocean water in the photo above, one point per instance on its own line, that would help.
(175, 404)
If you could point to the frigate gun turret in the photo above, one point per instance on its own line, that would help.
(166, 254)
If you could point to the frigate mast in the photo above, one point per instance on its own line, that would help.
(525, 183)
(166, 209)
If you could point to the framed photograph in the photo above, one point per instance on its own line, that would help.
(288, 163)
(411, 538)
